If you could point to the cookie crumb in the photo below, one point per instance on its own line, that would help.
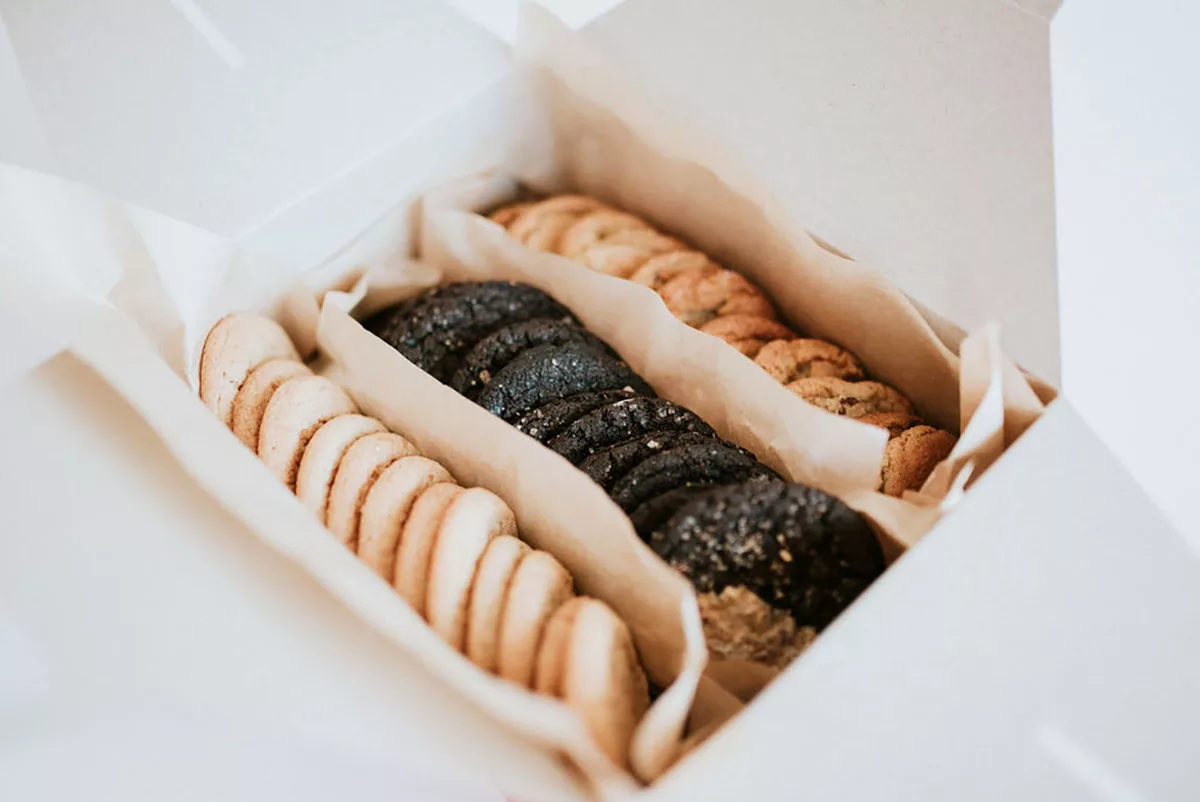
(740, 626)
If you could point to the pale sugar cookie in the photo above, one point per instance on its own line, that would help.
(594, 227)
(470, 523)
(417, 540)
(237, 344)
(486, 608)
(250, 402)
(539, 587)
(362, 463)
(296, 410)
(322, 455)
(387, 506)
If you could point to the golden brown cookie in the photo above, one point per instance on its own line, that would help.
(236, 345)
(911, 456)
(324, 451)
(747, 333)
(360, 466)
(387, 506)
(539, 586)
(506, 214)
(626, 251)
(417, 540)
(852, 399)
(541, 225)
(252, 397)
(496, 570)
(602, 678)
(658, 270)
(698, 296)
(297, 409)
(788, 360)
(596, 226)
(469, 525)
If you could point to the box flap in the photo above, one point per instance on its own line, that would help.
(1043, 642)
(219, 112)
(915, 136)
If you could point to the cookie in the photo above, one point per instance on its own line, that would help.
(602, 678)
(594, 227)
(747, 333)
(503, 345)
(236, 345)
(434, 330)
(547, 372)
(787, 360)
(552, 653)
(486, 609)
(539, 586)
(470, 523)
(658, 270)
(626, 251)
(852, 399)
(795, 547)
(542, 225)
(649, 516)
(417, 541)
(324, 451)
(546, 421)
(387, 506)
(607, 466)
(712, 462)
(911, 456)
(508, 213)
(697, 296)
(250, 402)
(296, 410)
(360, 466)
(624, 420)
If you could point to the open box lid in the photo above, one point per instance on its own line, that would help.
(223, 113)
(914, 136)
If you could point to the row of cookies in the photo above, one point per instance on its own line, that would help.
(452, 553)
(723, 303)
(769, 558)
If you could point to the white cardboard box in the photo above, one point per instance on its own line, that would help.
(1041, 643)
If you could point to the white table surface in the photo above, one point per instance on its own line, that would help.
(140, 665)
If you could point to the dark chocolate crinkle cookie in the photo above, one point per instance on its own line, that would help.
(608, 465)
(797, 548)
(712, 462)
(488, 356)
(624, 420)
(546, 421)
(542, 374)
(435, 329)
(651, 514)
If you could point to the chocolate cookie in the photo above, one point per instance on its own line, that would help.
(624, 420)
(542, 374)
(607, 466)
(651, 514)
(434, 330)
(712, 462)
(795, 547)
(547, 421)
(493, 352)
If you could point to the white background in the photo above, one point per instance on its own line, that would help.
(299, 714)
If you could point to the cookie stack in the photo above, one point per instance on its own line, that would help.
(723, 303)
(451, 552)
(770, 558)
